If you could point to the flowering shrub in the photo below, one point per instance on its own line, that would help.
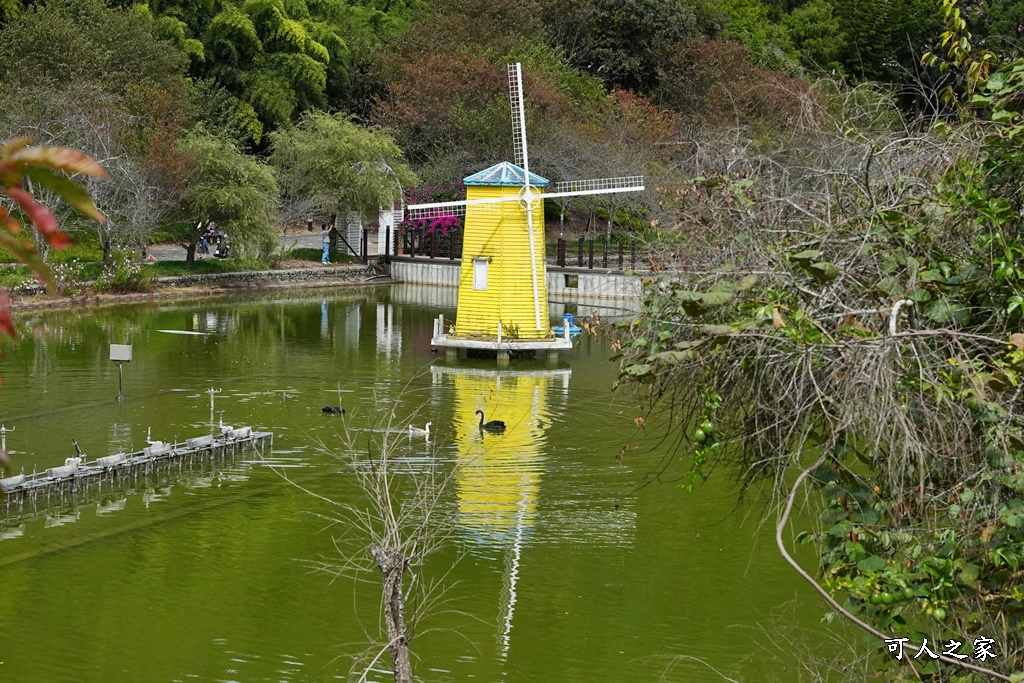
(69, 277)
(429, 193)
(124, 274)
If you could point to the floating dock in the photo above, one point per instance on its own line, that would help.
(501, 346)
(79, 474)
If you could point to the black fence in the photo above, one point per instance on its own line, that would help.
(591, 255)
(431, 245)
(581, 253)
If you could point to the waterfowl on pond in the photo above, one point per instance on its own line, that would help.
(492, 426)
(416, 431)
(334, 409)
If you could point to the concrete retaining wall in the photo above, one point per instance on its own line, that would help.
(573, 283)
(436, 272)
(182, 286)
(253, 279)
(262, 278)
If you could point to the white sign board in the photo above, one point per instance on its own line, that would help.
(121, 353)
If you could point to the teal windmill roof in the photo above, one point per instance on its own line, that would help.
(504, 174)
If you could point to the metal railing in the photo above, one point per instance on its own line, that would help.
(588, 253)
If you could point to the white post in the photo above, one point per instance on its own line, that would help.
(499, 334)
(212, 392)
(3, 437)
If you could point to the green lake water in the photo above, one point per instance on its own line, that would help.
(563, 566)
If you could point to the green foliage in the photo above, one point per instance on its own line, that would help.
(897, 366)
(210, 265)
(275, 58)
(339, 164)
(707, 439)
(583, 90)
(749, 24)
(314, 255)
(236, 191)
(883, 40)
(816, 34)
(75, 41)
(999, 26)
(9, 10)
(627, 39)
(71, 276)
(84, 248)
(124, 274)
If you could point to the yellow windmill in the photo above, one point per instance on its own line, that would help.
(503, 300)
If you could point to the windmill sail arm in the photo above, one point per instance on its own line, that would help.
(581, 193)
(633, 183)
(515, 98)
(419, 212)
(456, 208)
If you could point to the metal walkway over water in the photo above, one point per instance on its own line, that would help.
(79, 475)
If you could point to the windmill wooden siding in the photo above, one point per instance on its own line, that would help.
(499, 234)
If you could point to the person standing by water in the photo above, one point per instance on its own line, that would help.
(326, 234)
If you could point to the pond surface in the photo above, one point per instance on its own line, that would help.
(563, 566)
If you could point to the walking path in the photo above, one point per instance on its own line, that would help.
(292, 240)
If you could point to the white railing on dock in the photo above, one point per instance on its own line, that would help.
(80, 468)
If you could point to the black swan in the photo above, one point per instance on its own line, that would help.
(334, 409)
(492, 426)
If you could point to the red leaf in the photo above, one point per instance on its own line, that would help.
(8, 221)
(40, 216)
(6, 325)
(59, 159)
(69, 191)
(13, 145)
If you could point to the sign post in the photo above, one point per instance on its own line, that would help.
(120, 354)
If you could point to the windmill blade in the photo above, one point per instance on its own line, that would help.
(533, 262)
(515, 98)
(522, 158)
(456, 208)
(575, 188)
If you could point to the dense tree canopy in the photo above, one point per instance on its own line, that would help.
(235, 191)
(71, 41)
(275, 58)
(339, 165)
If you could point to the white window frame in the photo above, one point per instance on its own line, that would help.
(480, 273)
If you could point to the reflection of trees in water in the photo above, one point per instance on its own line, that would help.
(281, 331)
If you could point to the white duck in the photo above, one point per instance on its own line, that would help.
(416, 431)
